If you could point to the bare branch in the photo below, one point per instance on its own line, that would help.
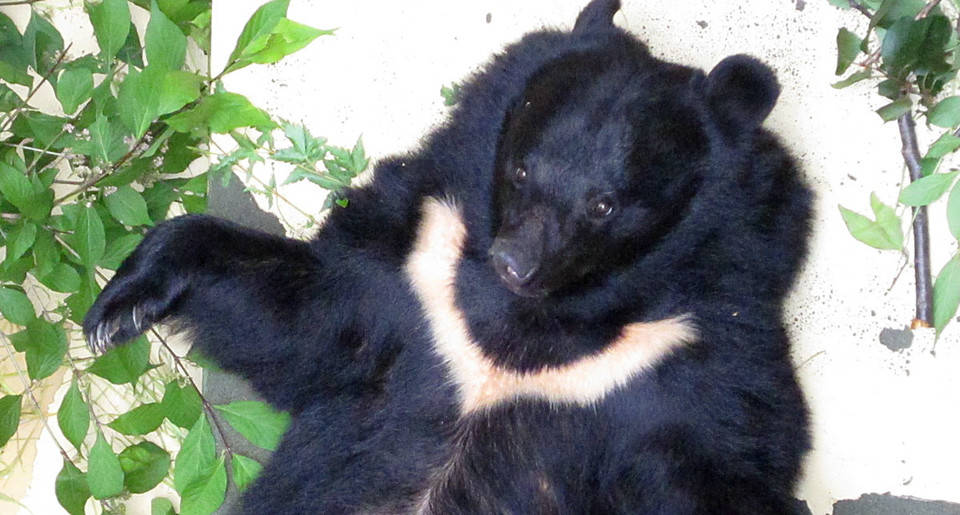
(863, 10)
(207, 407)
(927, 8)
(921, 235)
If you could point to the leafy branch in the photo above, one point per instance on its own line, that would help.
(910, 48)
(80, 184)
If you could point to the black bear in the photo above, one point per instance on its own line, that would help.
(568, 300)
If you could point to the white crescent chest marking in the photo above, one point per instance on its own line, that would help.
(431, 270)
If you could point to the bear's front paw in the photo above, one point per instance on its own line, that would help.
(128, 306)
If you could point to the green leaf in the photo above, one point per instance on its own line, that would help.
(934, 35)
(89, 239)
(74, 416)
(123, 364)
(15, 271)
(245, 471)
(257, 422)
(63, 278)
(946, 293)
(111, 23)
(14, 184)
(358, 159)
(220, 113)
(20, 239)
(181, 405)
(161, 506)
(106, 142)
(946, 113)
(16, 307)
(48, 345)
(131, 52)
(944, 145)
(46, 253)
(137, 100)
(133, 170)
(14, 54)
(953, 211)
(145, 96)
(181, 151)
(81, 301)
(887, 220)
(158, 198)
(9, 100)
(895, 109)
(48, 130)
(127, 206)
(74, 87)
(118, 250)
(140, 420)
(206, 494)
(42, 43)
(166, 46)
(144, 466)
(10, 406)
(197, 454)
(176, 89)
(451, 93)
(258, 28)
(927, 189)
(885, 233)
(889, 88)
(20, 341)
(848, 46)
(104, 473)
(285, 38)
(900, 46)
(71, 488)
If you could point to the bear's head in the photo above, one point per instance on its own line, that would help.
(604, 151)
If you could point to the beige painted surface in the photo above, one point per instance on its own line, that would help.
(883, 421)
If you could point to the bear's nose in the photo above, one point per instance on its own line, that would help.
(512, 269)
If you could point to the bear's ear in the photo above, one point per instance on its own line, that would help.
(741, 91)
(597, 15)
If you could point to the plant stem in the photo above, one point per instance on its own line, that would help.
(29, 393)
(203, 400)
(18, 2)
(33, 91)
(863, 10)
(927, 8)
(921, 235)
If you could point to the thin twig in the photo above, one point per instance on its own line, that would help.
(927, 8)
(29, 391)
(863, 10)
(93, 179)
(921, 235)
(206, 404)
(43, 80)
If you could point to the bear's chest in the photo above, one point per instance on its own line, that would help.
(505, 416)
(480, 382)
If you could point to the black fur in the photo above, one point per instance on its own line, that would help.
(708, 217)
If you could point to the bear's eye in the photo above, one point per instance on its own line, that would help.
(601, 208)
(519, 175)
